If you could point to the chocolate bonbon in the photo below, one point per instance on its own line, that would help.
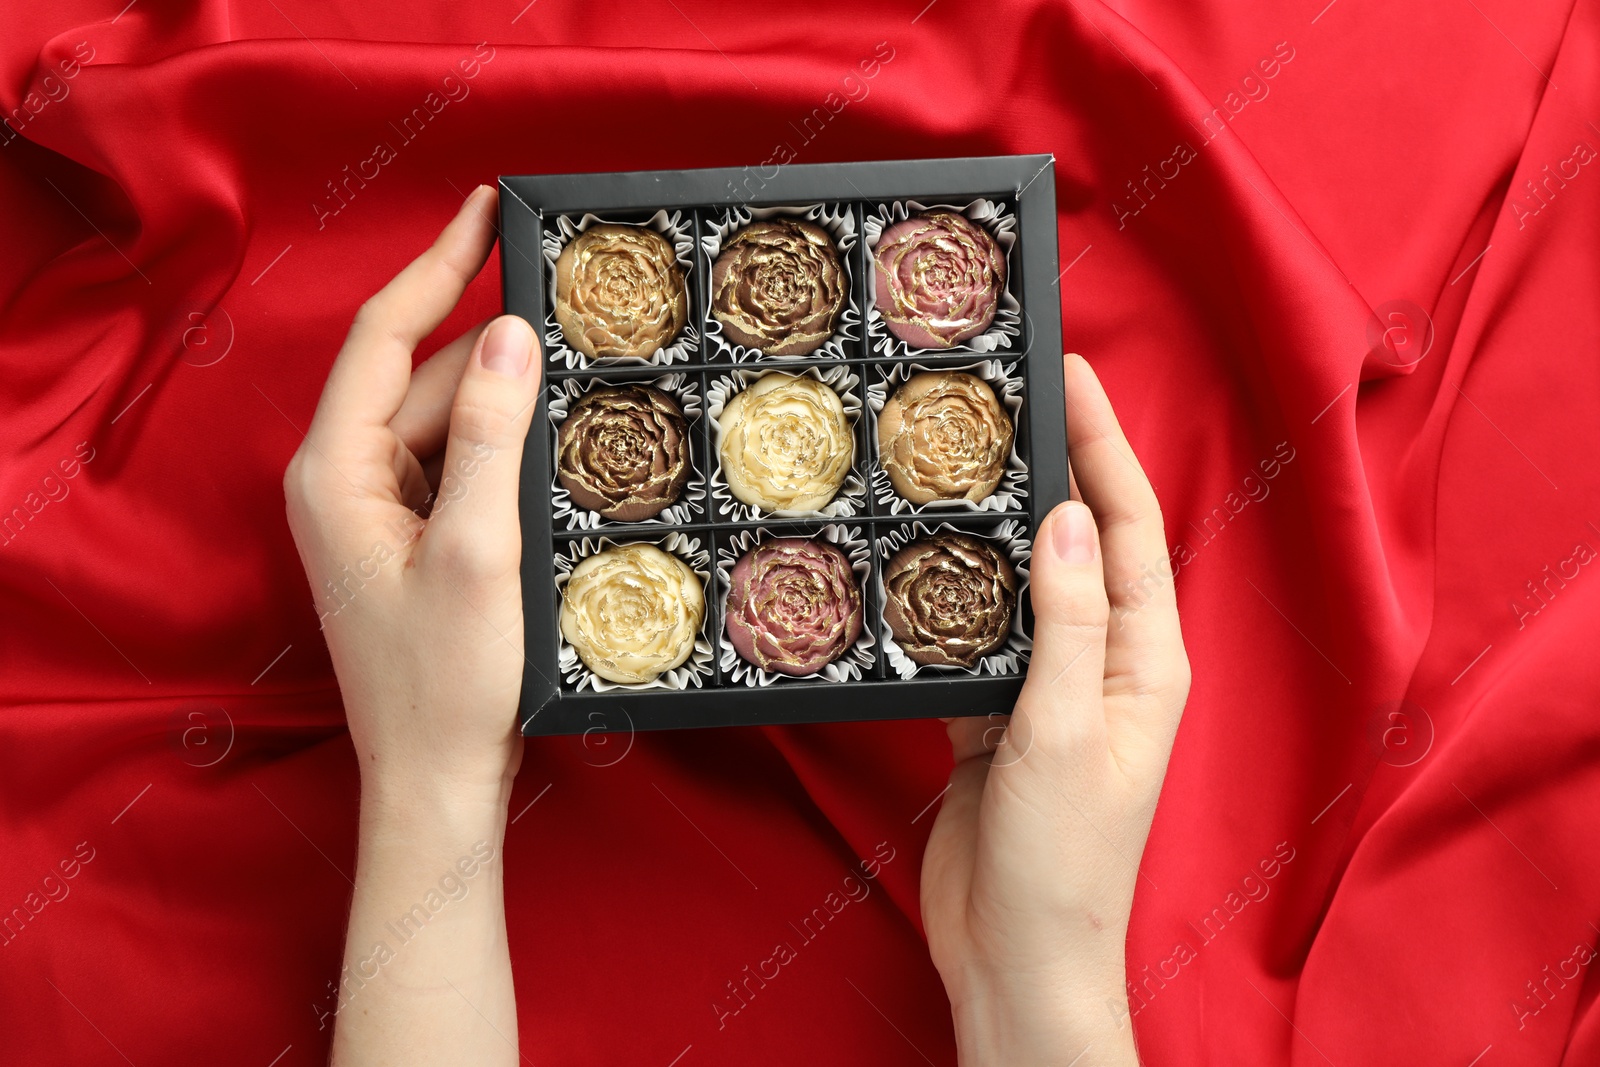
(632, 612)
(793, 605)
(785, 443)
(937, 279)
(619, 292)
(949, 599)
(943, 435)
(778, 286)
(623, 451)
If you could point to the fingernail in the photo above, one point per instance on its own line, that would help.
(1073, 533)
(507, 346)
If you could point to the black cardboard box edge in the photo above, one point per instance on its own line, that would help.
(544, 708)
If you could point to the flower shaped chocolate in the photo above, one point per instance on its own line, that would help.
(632, 612)
(619, 292)
(785, 443)
(794, 606)
(624, 452)
(938, 279)
(778, 287)
(949, 599)
(944, 436)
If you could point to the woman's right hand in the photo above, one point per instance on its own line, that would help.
(1028, 877)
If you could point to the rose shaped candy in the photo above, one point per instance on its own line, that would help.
(944, 436)
(793, 606)
(778, 286)
(949, 599)
(632, 612)
(938, 278)
(785, 443)
(624, 452)
(619, 292)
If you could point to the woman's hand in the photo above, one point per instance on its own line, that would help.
(423, 617)
(1029, 874)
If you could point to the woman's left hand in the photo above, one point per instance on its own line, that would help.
(423, 616)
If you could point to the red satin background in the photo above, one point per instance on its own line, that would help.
(171, 303)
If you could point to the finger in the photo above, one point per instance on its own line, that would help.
(433, 469)
(424, 417)
(474, 526)
(1144, 649)
(415, 489)
(976, 735)
(951, 853)
(1061, 706)
(370, 377)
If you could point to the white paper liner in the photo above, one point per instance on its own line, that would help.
(1005, 379)
(849, 667)
(678, 228)
(993, 216)
(843, 380)
(695, 670)
(840, 221)
(1010, 537)
(685, 389)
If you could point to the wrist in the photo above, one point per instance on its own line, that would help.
(428, 806)
(403, 780)
(1041, 1027)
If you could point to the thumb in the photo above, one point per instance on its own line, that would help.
(474, 522)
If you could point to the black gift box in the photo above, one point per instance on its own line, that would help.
(1020, 356)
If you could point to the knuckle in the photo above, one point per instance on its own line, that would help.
(294, 478)
(315, 504)
(455, 266)
(1165, 682)
(313, 523)
(1076, 605)
(472, 556)
(372, 311)
(476, 422)
(1149, 511)
(1182, 675)
(302, 486)
(1142, 511)
(375, 323)
(1047, 730)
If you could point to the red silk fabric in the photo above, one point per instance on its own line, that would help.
(1335, 264)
